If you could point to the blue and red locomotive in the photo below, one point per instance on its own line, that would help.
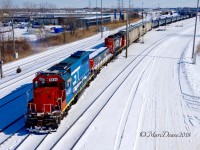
(57, 88)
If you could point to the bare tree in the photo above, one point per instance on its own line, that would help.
(46, 6)
(5, 6)
(5, 9)
(29, 6)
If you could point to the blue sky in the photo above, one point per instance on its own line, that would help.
(114, 3)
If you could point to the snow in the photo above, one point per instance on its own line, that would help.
(154, 92)
(96, 52)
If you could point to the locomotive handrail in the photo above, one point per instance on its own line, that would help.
(60, 99)
(62, 94)
(30, 107)
(50, 106)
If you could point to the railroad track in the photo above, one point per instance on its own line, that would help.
(28, 88)
(53, 52)
(23, 138)
(48, 61)
(26, 75)
(96, 99)
(14, 125)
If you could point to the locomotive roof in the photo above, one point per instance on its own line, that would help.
(68, 61)
(63, 67)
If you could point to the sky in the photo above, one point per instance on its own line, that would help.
(114, 3)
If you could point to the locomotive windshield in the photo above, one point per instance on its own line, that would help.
(45, 84)
(48, 84)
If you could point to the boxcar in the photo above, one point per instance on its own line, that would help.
(168, 20)
(162, 22)
(148, 26)
(155, 23)
(174, 19)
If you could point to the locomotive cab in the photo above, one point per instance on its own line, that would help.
(49, 101)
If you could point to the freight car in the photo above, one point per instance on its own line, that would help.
(162, 22)
(155, 23)
(174, 19)
(168, 20)
(178, 18)
(134, 32)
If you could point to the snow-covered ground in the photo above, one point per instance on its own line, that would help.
(147, 101)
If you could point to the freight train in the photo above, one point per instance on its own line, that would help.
(58, 88)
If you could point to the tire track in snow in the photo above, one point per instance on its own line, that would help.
(144, 106)
(145, 99)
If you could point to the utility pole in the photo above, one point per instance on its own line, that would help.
(129, 11)
(1, 63)
(142, 24)
(127, 39)
(195, 29)
(101, 19)
(96, 17)
(13, 32)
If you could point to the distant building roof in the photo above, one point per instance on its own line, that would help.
(95, 17)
